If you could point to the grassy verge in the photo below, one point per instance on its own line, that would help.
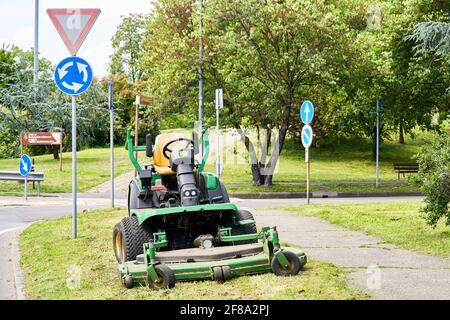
(48, 254)
(398, 223)
(392, 187)
(92, 169)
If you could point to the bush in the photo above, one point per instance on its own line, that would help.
(434, 179)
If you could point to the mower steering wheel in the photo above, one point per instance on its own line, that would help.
(166, 146)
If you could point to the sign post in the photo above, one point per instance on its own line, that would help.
(24, 169)
(219, 105)
(136, 128)
(307, 135)
(111, 137)
(42, 139)
(73, 75)
(377, 180)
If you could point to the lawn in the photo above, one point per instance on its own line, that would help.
(387, 187)
(334, 162)
(48, 255)
(398, 223)
(349, 160)
(92, 164)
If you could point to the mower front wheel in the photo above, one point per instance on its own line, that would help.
(166, 278)
(128, 239)
(128, 281)
(293, 267)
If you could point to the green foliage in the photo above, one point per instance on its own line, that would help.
(432, 36)
(128, 48)
(24, 110)
(434, 179)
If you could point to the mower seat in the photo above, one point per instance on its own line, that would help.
(161, 163)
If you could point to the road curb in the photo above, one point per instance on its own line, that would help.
(18, 275)
(300, 195)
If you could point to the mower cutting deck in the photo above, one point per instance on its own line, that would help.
(181, 225)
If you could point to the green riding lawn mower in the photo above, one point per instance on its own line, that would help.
(182, 226)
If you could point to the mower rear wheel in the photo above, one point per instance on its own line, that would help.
(237, 230)
(166, 278)
(128, 239)
(293, 267)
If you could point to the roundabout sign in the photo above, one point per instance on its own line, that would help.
(73, 75)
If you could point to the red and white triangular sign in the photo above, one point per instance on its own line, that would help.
(73, 25)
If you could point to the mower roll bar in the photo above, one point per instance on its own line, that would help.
(132, 149)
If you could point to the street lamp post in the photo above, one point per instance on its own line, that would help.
(377, 181)
(200, 69)
(36, 46)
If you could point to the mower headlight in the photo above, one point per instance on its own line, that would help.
(187, 193)
(193, 193)
(207, 243)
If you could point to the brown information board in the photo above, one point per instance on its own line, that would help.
(43, 139)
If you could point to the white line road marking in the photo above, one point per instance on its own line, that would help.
(9, 230)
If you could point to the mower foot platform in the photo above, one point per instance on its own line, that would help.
(203, 255)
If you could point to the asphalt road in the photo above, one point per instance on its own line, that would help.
(16, 214)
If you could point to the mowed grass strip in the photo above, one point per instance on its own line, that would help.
(399, 223)
(92, 170)
(49, 256)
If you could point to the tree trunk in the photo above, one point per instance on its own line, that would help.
(401, 137)
(256, 176)
(278, 147)
(55, 152)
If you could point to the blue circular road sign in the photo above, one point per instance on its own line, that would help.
(307, 112)
(25, 165)
(307, 136)
(73, 75)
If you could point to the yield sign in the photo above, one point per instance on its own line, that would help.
(73, 25)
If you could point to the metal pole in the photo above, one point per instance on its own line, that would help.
(136, 130)
(378, 144)
(36, 46)
(111, 138)
(307, 174)
(217, 143)
(26, 188)
(74, 168)
(200, 70)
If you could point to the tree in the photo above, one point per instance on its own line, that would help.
(434, 179)
(409, 86)
(432, 36)
(269, 55)
(128, 48)
(21, 109)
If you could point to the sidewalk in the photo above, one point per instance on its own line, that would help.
(381, 269)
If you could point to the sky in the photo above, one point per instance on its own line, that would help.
(17, 27)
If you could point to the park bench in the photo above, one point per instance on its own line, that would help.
(402, 168)
(16, 176)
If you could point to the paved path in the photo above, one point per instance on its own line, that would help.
(378, 268)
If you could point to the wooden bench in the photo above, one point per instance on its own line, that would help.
(402, 168)
(16, 176)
